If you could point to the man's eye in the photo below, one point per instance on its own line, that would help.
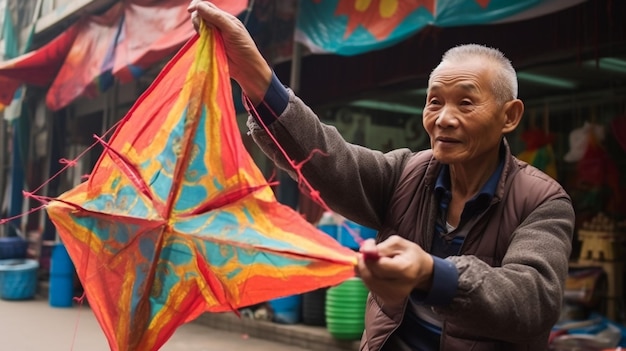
(433, 102)
(466, 103)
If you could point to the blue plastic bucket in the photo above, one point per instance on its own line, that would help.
(18, 279)
(346, 239)
(61, 290)
(330, 229)
(13, 247)
(287, 310)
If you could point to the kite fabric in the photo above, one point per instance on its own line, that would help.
(176, 219)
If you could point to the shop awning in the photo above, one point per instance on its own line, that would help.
(35, 68)
(121, 43)
(351, 28)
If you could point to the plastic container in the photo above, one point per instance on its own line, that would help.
(287, 310)
(346, 238)
(345, 309)
(328, 224)
(18, 279)
(13, 247)
(61, 289)
(313, 307)
(330, 229)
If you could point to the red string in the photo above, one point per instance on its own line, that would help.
(69, 163)
(127, 167)
(80, 300)
(32, 210)
(64, 161)
(304, 184)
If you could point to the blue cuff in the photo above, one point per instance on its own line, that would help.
(445, 284)
(274, 102)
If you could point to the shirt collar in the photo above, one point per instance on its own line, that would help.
(442, 185)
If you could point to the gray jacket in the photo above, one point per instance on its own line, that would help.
(514, 261)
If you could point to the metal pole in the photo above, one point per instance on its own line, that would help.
(288, 191)
(296, 60)
(3, 168)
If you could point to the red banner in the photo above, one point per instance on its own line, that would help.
(37, 67)
(121, 43)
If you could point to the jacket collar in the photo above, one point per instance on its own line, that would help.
(494, 187)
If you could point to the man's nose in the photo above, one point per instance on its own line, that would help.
(446, 118)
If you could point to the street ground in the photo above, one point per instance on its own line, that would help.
(33, 325)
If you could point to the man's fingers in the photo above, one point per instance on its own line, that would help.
(362, 270)
(192, 5)
(376, 257)
(195, 20)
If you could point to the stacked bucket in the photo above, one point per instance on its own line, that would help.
(345, 309)
(344, 304)
(61, 292)
(18, 274)
(340, 308)
(287, 310)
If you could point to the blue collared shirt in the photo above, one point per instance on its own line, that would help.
(424, 334)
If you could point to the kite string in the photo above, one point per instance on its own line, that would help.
(313, 193)
(45, 200)
(68, 163)
(10, 219)
(80, 301)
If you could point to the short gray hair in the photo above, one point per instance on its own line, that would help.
(505, 82)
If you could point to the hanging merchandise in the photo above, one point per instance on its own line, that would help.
(597, 176)
(579, 139)
(618, 128)
(539, 152)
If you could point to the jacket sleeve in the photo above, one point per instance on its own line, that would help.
(523, 297)
(354, 181)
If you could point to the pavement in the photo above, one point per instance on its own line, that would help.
(33, 325)
(311, 338)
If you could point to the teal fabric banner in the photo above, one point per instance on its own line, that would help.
(19, 122)
(351, 27)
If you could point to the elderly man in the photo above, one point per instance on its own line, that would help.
(473, 244)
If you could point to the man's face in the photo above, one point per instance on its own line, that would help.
(462, 115)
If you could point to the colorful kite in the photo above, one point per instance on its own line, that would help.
(176, 219)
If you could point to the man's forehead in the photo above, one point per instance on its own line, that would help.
(462, 75)
(454, 79)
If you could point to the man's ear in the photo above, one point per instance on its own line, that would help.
(513, 112)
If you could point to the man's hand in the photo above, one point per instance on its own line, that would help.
(246, 64)
(394, 268)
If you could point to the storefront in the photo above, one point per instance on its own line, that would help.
(572, 77)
